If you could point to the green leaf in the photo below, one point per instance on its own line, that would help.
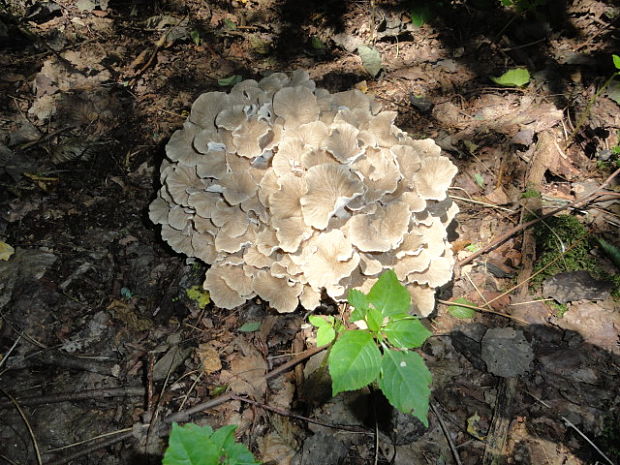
(371, 59)
(195, 35)
(229, 24)
(513, 78)
(389, 296)
(325, 335)
(229, 81)
(359, 301)
(317, 43)
(421, 14)
(462, 313)
(479, 180)
(200, 445)
(374, 320)
(616, 60)
(406, 334)
(354, 361)
(249, 327)
(320, 320)
(405, 381)
(613, 91)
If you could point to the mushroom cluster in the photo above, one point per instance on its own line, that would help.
(287, 191)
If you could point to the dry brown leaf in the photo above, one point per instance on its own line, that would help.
(275, 449)
(210, 358)
(247, 370)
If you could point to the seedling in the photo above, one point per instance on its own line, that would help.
(381, 350)
(201, 445)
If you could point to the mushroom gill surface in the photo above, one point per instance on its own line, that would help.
(289, 191)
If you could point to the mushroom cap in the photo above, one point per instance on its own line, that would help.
(296, 105)
(329, 187)
(279, 292)
(287, 191)
(434, 177)
(381, 231)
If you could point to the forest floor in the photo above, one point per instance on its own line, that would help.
(102, 329)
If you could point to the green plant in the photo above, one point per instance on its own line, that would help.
(531, 193)
(381, 352)
(201, 445)
(523, 6)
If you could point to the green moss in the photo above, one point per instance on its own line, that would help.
(553, 237)
(198, 295)
(558, 234)
(531, 193)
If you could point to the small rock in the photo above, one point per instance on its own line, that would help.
(321, 448)
(576, 285)
(506, 352)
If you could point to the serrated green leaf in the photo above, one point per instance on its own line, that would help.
(389, 296)
(513, 78)
(616, 60)
(249, 327)
(359, 301)
(325, 335)
(405, 381)
(319, 321)
(200, 445)
(371, 59)
(374, 319)
(229, 81)
(460, 312)
(354, 361)
(406, 334)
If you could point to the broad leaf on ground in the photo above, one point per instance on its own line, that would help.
(458, 311)
(405, 381)
(371, 59)
(513, 78)
(354, 361)
(616, 59)
(389, 296)
(406, 334)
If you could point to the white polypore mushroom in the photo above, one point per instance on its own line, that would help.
(329, 188)
(288, 191)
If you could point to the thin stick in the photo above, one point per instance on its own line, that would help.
(286, 413)
(446, 433)
(570, 424)
(85, 441)
(482, 309)
(479, 202)
(5, 356)
(27, 423)
(94, 448)
(512, 231)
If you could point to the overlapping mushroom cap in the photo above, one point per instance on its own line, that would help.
(288, 191)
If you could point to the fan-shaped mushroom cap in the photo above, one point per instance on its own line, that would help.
(422, 298)
(228, 285)
(328, 258)
(342, 142)
(297, 105)
(434, 178)
(381, 231)
(288, 191)
(329, 188)
(281, 295)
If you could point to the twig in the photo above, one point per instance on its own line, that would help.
(570, 424)
(5, 356)
(286, 413)
(446, 433)
(512, 231)
(79, 443)
(93, 448)
(79, 395)
(482, 309)
(479, 202)
(27, 423)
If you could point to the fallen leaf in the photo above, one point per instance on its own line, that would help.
(371, 59)
(6, 251)
(210, 358)
(517, 77)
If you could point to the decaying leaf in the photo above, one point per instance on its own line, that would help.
(371, 59)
